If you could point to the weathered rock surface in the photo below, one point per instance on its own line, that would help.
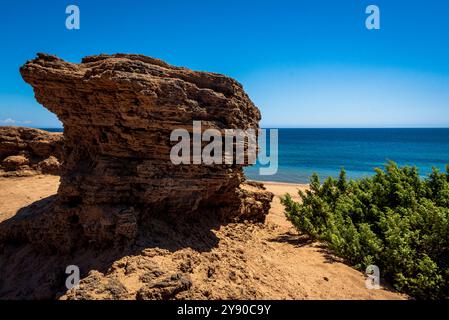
(118, 113)
(27, 151)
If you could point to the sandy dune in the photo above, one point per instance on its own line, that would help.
(264, 261)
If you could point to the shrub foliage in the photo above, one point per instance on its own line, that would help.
(394, 220)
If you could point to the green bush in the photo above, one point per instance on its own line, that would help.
(394, 220)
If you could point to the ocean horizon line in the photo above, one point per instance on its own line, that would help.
(306, 128)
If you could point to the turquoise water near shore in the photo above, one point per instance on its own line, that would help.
(359, 151)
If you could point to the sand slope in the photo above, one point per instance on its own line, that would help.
(234, 261)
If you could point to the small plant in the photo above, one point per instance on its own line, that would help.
(394, 220)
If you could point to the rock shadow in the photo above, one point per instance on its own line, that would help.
(28, 272)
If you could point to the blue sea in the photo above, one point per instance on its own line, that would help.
(52, 129)
(359, 151)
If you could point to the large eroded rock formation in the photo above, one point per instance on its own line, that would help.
(118, 112)
(27, 151)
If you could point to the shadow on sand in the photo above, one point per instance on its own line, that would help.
(26, 272)
(296, 240)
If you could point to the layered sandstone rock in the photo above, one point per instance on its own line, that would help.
(118, 113)
(27, 151)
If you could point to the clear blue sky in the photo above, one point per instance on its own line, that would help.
(304, 63)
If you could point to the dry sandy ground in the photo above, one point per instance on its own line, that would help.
(236, 261)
